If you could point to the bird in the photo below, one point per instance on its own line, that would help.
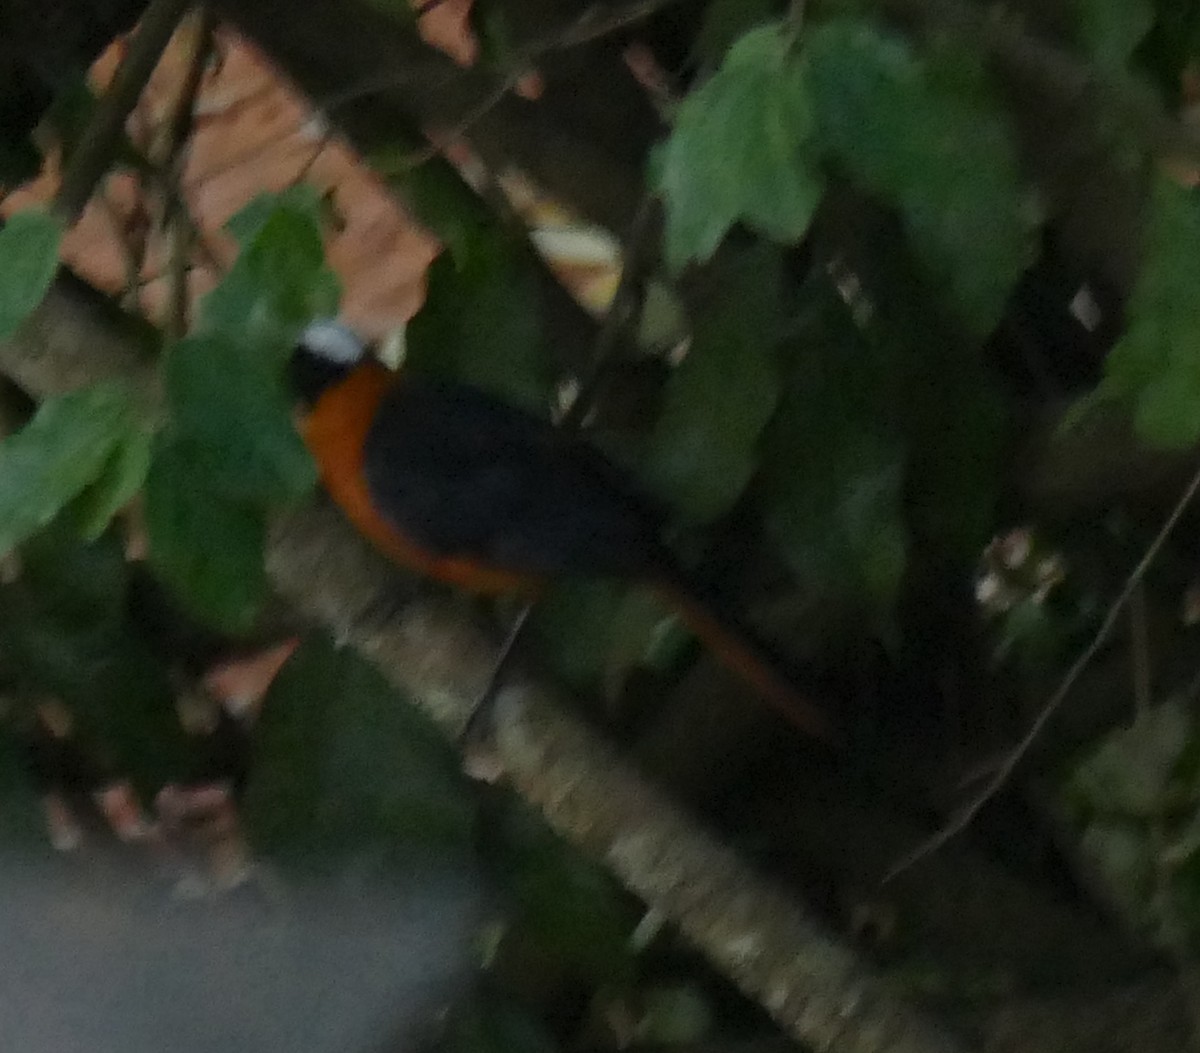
(454, 483)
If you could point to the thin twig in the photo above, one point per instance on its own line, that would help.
(479, 720)
(132, 255)
(170, 153)
(963, 817)
(1139, 646)
(616, 317)
(591, 25)
(98, 143)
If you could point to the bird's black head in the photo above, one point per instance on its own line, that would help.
(325, 353)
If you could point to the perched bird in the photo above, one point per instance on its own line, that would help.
(457, 485)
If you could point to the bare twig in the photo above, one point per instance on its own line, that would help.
(1139, 645)
(98, 143)
(594, 23)
(169, 152)
(616, 317)
(963, 817)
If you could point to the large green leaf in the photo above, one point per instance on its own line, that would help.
(120, 479)
(229, 405)
(345, 765)
(704, 449)
(740, 150)
(65, 447)
(206, 545)
(480, 323)
(29, 244)
(1156, 363)
(925, 135)
(278, 283)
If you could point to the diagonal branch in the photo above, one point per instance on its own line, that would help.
(752, 930)
(96, 147)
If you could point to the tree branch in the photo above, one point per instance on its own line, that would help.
(751, 930)
(98, 143)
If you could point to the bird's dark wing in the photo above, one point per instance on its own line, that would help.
(462, 474)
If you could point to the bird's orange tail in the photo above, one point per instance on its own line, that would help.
(740, 652)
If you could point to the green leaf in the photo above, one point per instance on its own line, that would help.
(1133, 771)
(279, 282)
(57, 454)
(926, 136)
(1111, 30)
(436, 196)
(1121, 855)
(704, 449)
(302, 200)
(571, 907)
(953, 417)
(1156, 363)
(229, 406)
(480, 324)
(344, 765)
(208, 547)
(740, 150)
(29, 244)
(834, 466)
(119, 480)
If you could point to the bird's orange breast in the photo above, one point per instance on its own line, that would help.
(336, 431)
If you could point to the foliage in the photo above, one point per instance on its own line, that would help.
(704, 448)
(29, 248)
(80, 445)
(851, 212)
(229, 451)
(344, 768)
(65, 633)
(1135, 797)
(1156, 363)
(738, 151)
(480, 323)
(835, 467)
